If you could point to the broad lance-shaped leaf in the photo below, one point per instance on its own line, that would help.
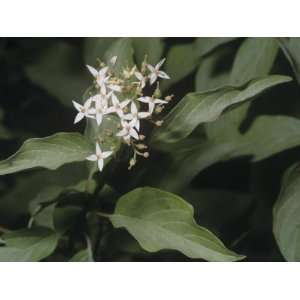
(28, 245)
(50, 152)
(197, 108)
(267, 136)
(161, 220)
(286, 215)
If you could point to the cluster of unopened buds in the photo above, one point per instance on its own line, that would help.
(122, 94)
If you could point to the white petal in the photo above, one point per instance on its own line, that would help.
(115, 87)
(100, 164)
(88, 103)
(134, 134)
(133, 108)
(106, 154)
(102, 87)
(77, 105)
(157, 67)
(139, 76)
(144, 99)
(159, 101)
(102, 72)
(143, 115)
(110, 110)
(92, 157)
(153, 78)
(151, 107)
(151, 68)
(164, 75)
(92, 70)
(124, 103)
(128, 117)
(99, 118)
(79, 117)
(137, 125)
(122, 132)
(113, 60)
(92, 111)
(120, 113)
(114, 99)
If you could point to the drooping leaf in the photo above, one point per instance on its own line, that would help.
(286, 214)
(59, 71)
(28, 245)
(15, 203)
(50, 152)
(181, 61)
(267, 136)
(161, 220)
(95, 47)
(202, 107)
(204, 45)
(291, 49)
(152, 47)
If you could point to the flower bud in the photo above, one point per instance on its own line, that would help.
(159, 123)
(141, 146)
(146, 154)
(141, 137)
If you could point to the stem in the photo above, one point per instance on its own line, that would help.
(104, 215)
(89, 179)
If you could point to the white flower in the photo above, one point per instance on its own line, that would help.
(141, 79)
(136, 116)
(113, 60)
(151, 101)
(128, 130)
(83, 110)
(100, 108)
(100, 77)
(114, 87)
(155, 72)
(117, 106)
(99, 156)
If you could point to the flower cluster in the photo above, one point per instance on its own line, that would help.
(122, 94)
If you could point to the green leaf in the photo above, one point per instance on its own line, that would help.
(50, 152)
(123, 49)
(181, 61)
(28, 245)
(95, 47)
(267, 136)
(211, 73)
(291, 49)
(202, 107)
(151, 46)
(286, 214)
(60, 72)
(15, 203)
(161, 220)
(205, 45)
(254, 58)
(81, 256)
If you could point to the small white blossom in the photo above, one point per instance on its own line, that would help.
(136, 116)
(128, 130)
(100, 76)
(151, 102)
(155, 72)
(117, 106)
(100, 108)
(83, 110)
(99, 156)
(141, 78)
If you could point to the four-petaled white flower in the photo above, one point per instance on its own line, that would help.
(128, 130)
(99, 156)
(151, 102)
(100, 77)
(141, 78)
(136, 116)
(83, 110)
(155, 72)
(117, 106)
(100, 108)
